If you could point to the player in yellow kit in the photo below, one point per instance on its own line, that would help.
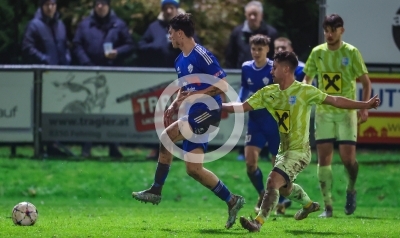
(337, 65)
(290, 103)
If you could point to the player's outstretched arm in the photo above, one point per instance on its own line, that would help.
(221, 86)
(236, 107)
(345, 103)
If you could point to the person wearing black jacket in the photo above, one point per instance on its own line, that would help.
(238, 50)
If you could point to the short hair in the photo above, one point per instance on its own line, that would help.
(287, 57)
(183, 22)
(334, 21)
(260, 40)
(256, 4)
(284, 39)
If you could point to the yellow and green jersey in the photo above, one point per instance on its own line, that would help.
(291, 108)
(337, 72)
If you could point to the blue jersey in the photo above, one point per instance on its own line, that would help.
(199, 61)
(298, 73)
(254, 79)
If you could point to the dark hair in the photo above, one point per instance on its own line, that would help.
(259, 40)
(184, 23)
(334, 21)
(287, 57)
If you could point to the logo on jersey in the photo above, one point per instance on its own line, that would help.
(332, 82)
(345, 61)
(249, 82)
(178, 70)
(266, 81)
(292, 100)
(190, 68)
(191, 89)
(217, 74)
(283, 117)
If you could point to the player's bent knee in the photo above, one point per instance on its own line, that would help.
(193, 171)
(251, 165)
(165, 139)
(276, 180)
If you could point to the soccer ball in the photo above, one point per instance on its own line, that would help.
(24, 214)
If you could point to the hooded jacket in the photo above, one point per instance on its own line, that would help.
(45, 41)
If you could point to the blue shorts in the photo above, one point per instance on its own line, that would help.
(200, 121)
(258, 134)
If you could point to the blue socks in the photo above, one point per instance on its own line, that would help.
(161, 174)
(256, 179)
(222, 191)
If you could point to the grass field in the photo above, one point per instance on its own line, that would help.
(93, 199)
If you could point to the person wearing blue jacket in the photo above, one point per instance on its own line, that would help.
(45, 39)
(45, 42)
(102, 26)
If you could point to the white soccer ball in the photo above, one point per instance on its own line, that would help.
(24, 214)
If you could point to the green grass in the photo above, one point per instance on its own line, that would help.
(93, 199)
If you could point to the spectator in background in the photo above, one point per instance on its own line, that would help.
(103, 27)
(155, 48)
(282, 44)
(45, 42)
(45, 39)
(238, 50)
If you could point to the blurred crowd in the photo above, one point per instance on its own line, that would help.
(103, 39)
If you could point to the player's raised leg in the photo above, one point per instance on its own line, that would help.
(273, 144)
(280, 182)
(196, 170)
(274, 182)
(153, 194)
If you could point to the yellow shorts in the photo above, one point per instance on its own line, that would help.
(336, 127)
(290, 163)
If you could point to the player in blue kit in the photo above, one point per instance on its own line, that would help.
(202, 80)
(261, 127)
